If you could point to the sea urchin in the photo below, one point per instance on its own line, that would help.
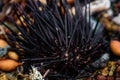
(54, 38)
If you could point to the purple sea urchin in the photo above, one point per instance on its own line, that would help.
(64, 43)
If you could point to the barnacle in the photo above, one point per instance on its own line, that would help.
(64, 43)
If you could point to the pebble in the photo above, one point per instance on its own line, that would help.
(110, 78)
(101, 77)
(105, 71)
(115, 47)
(3, 43)
(118, 69)
(13, 55)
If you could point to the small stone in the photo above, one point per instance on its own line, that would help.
(113, 68)
(111, 63)
(101, 77)
(3, 43)
(105, 71)
(110, 78)
(13, 55)
(118, 69)
(111, 73)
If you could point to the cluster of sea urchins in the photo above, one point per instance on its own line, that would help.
(54, 39)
